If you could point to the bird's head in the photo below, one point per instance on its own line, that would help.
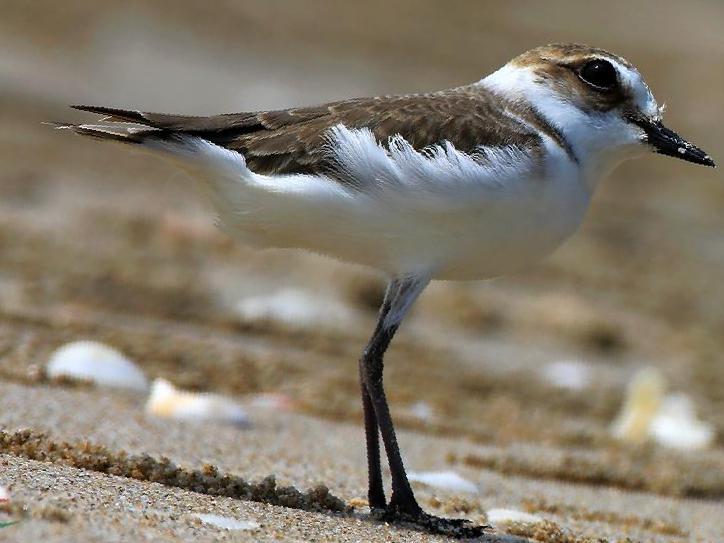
(598, 101)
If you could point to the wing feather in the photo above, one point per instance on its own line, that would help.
(293, 141)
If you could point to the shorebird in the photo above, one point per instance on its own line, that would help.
(470, 182)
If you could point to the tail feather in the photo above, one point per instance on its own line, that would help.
(146, 128)
(167, 121)
(124, 134)
(124, 125)
(114, 115)
(179, 144)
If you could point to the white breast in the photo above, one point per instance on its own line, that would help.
(512, 233)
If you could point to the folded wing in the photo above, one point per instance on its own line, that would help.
(295, 140)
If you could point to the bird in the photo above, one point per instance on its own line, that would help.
(467, 183)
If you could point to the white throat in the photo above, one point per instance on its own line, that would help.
(599, 141)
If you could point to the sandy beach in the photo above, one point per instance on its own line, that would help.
(513, 384)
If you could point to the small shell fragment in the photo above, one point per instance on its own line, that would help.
(166, 401)
(643, 399)
(4, 495)
(677, 426)
(227, 523)
(446, 480)
(669, 420)
(96, 363)
(502, 517)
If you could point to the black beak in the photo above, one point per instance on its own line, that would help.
(667, 142)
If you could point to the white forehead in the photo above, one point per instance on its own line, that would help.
(631, 79)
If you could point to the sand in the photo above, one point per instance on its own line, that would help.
(61, 502)
(98, 243)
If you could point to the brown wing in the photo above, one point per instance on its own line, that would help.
(293, 140)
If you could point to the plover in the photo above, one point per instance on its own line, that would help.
(470, 182)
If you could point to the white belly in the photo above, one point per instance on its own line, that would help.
(499, 238)
(496, 238)
(513, 241)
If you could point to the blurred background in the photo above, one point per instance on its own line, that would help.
(102, 242)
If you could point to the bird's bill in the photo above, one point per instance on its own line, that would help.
(667, 142)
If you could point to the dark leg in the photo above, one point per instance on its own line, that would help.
(399, 297)
(376, 492)
(370, 368)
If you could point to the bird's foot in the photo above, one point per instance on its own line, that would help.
(419, 520)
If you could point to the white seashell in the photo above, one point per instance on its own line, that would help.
(4, 495)
(447, 480)
(227, 523)
(570, 374)
(501, 517)
(676, 425)
(166, 401)
(296, 307)
(97, 363)
(643, 399)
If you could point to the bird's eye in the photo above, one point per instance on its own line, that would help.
(599, 74)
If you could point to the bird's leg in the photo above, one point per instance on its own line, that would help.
(399, 298)
(403, 507)
(376, 491)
